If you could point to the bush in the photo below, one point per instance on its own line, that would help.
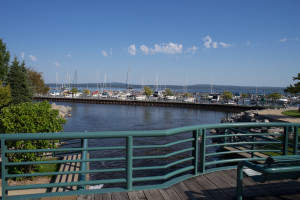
(29, 118)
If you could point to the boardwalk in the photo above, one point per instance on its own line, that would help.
(218, 185)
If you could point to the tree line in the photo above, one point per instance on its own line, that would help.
(19, 114)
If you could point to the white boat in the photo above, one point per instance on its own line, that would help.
(282, 100)
(140, 97)
(171, 97)
(190, 99)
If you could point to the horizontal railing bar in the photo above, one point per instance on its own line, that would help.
(163, 156)
(243, 135)
(64, 161)
(154, 178)
(66, 149)
(51, 185)
(241, 151)
(164, 145)
(150, 133)
(163, 167)
(241, 143)
(232, 160)
(66, 172)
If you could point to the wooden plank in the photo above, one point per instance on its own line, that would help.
(253, 186)
(169, 194)
(183, 192)
(137, 195)
(153, 195)
(59, 177)
(103, 196)
(196, 189)
(68, 198)
(86, 197)
(212, 189)
(72, 168)
(119, 196)
(221, 184)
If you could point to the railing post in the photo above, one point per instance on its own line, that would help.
(3, 169)
(129, 155)
(285, 140)
(295, 146)
(202, 150)
(225, 138)
(195, 153)
(253, 146)
(82, 177)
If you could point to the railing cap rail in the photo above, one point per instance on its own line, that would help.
(137, 133)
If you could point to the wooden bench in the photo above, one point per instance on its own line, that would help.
(274, 168)
(72, 166)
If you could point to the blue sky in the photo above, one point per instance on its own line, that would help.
(246, 43)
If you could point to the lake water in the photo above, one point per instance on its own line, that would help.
(97, 117)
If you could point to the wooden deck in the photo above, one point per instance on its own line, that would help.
(218, 185)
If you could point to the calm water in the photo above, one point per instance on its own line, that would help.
(95, 117)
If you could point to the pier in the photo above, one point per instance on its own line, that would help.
(192, 166)
(195, 105)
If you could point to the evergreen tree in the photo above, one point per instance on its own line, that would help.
(4, 61)
(19, 83)
(294, 89)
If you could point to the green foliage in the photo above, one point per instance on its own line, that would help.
(4, 61)
(227, 95)
(244, 95)
(29, 118)
(187, 95)
(74, 91)
(275, 96)
(148, 91)
(294, 89)
(292, 113)
(86, 91)
(37, 82)
(5, 95)
(19, 83)
(169, 92)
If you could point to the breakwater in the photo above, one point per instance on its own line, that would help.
(208, 106)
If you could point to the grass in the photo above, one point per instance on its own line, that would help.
(48, 167)
(292, 113)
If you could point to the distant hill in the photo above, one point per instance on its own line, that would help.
(190, 88)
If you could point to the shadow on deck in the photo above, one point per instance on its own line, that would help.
(217, 185)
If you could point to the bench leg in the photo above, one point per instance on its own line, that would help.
(239, 182)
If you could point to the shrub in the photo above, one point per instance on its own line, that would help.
(29, 118)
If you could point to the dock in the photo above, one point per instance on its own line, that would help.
(219, 185)
(195, 105)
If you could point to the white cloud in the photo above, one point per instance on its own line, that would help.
(224, 45)
(22, 55)
(283, 40)
(208, 43)
(132, 50)
(215, 45)
(144, 49)
(56, 64)
(33, 58)
(192, 49)
(104, 53)
(164, 48)
(69, 55)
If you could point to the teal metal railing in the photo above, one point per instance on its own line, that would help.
(137, 160)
